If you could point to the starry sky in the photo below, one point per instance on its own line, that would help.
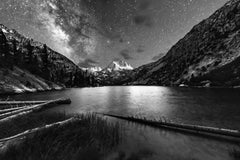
(95, 32)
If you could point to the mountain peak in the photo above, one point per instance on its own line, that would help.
(119, 65)
(94, 69)
(4, 28)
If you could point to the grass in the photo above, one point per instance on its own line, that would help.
(235, 153)
(30, 121)
(90, 138)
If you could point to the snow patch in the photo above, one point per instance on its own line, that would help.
(94, 69)
(118, 66)
(4, 30)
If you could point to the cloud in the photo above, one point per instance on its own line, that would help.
(88, 63)
(144, 5)
(121, 40)
(126, 54)
(145, 20)
(140, 49)
(116, 59)
(158, 56)
(112, 35)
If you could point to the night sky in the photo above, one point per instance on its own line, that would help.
(95, 32)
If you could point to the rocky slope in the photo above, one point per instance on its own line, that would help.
(209, 55)
(16, 80)
(34, 59)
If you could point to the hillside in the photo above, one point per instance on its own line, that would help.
(51, 69)
(17, 80)
(209, 55)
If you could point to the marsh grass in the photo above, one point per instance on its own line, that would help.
(235, 153)
(89, 138)
(31, 121)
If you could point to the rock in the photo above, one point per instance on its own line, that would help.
(206, 83)
(183, 85)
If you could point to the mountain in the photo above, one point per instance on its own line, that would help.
(209, 55)
(93, 69)
(118, 66)
(116, 73)
(39, 67)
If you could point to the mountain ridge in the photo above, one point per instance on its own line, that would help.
(36, 59)
(118, 65)
(116, 73)
(206, 56)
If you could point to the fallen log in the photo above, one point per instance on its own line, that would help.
(28, 102)
(20, 102)
(12, 109)
(35, 108)
(31, 131)
(193, 129)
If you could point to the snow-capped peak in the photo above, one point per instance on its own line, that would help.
(4, 28)
(95, 69)
(92, 69)
(118, 66)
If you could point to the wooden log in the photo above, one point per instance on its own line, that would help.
(20, 102)
(31, 102)
(209, 131)
(12, 109)
(35, 108)
(31, 131)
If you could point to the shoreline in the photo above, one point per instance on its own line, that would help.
(65, 88)
(29, 92)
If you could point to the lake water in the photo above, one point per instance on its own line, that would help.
(210, 107)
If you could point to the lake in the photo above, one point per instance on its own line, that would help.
(209, 107)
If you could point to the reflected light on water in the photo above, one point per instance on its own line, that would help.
(149, 99)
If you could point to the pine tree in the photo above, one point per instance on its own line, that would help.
(45, 62)
(30, 51)
(15, 52)
(4, 49)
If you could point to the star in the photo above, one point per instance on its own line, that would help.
(108, 41)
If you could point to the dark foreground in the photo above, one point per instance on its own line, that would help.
(135, 141)
(89, 138)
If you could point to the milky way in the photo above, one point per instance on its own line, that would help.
(95, 32)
